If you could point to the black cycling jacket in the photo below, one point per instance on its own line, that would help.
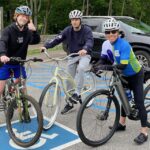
(15, 43)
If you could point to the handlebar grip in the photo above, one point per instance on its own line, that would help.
(37, 59)
(15, 59)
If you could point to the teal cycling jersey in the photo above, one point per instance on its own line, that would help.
(124, 54)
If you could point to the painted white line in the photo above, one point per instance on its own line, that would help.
(4, 124)
(52, 136)
(67, 128)
(67, 145)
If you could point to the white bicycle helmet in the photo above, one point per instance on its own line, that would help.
(23, 10)
(111, 24)
(75, 14)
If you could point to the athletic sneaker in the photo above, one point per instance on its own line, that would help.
(119, 128)
(141, 138)
(67, 108)
(75, 98)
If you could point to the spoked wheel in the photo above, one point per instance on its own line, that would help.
(147, 103)
(24, 121)
(93, 122)
(89, 86)
(50, 101)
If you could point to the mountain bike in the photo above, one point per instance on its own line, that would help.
(50, 99)
(24, 118)
(105, 111)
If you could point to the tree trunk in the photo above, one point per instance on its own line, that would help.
(83, 6)
(87, 7)
(110, 8)
(141, 15)
(122, 10)
(46, 17)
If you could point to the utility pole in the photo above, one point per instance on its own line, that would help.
(1, 20)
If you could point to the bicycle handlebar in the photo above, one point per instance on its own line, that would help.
(18, 59)
(59, 59)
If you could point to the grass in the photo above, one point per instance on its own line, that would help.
(37, 51)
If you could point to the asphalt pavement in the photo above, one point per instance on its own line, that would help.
(120, 140)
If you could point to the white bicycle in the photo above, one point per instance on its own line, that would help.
(50, 99)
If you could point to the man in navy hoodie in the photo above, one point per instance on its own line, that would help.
(14, 43)
(79, 40)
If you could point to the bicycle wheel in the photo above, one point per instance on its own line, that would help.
(93, 122)
(24, 124)
(147, 103)
(50, 104)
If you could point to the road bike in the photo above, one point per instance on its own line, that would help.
(105, 111)
(24, 117)
(50, 99)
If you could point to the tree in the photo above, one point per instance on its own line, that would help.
(110, 8)
(47, 13)
(123, 5)
(35, 6)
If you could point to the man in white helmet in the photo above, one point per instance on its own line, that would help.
(79, 40)
(14, 43)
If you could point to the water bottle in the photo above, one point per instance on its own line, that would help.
(128, 94)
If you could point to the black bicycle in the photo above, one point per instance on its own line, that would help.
(105, 111)
(24, 118)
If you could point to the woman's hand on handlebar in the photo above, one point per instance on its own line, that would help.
(4, 59)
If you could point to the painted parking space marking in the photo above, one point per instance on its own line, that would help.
(57, 138)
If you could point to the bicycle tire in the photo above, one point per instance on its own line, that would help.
(147, 103)
(35, 108)
(98, 118)
(47, 104)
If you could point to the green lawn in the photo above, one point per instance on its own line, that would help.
(37, 51)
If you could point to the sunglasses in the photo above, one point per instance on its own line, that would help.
(113, 32)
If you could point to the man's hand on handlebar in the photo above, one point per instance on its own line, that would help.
(4, 59)
(43, 49)
(82, 52)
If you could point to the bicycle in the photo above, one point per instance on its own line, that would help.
(105, 111)
(22, 108)
(50, 99)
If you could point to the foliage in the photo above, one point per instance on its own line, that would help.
(53, 14)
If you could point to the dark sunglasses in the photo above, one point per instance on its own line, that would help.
(113, 32)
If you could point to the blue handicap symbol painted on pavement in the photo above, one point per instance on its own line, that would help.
(57, 138)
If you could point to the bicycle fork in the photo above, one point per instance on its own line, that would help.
(22, 106)
(105, 113)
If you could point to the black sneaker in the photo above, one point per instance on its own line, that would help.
(141, 138)
(66, 108)
(119, 128)
(75, 98)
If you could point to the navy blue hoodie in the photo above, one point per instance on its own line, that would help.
(75, 40)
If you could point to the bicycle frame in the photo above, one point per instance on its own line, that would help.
(18, 93)
(67, 77)
(120, 90)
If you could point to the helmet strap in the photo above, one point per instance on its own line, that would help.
(19, 26)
